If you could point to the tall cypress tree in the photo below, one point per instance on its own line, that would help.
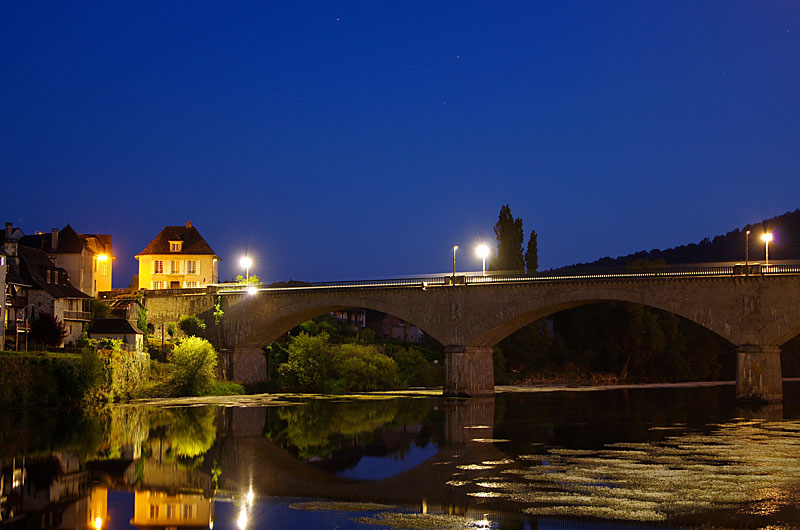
(532, 254)
(509, 243)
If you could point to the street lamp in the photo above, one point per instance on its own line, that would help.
(482, 252)
(455, 247)
(766, 237)
(746, 252)
(246, 262)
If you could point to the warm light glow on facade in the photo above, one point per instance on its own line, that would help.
(102, 257)
(98, 523)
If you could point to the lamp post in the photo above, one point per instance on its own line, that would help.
(246, 262)
(747, 253)
(455, 247)
(482, 251)
(766, 237)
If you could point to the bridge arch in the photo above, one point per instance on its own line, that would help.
(528, 310)
(255, 321)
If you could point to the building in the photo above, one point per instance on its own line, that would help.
(3, 267)
(46, 289)
(177, 258)
(87, 258)
(118, 329)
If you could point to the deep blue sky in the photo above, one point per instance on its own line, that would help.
(363, 139)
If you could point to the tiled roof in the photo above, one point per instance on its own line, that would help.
(69, 241)
(34, 265)
(193, 242)
(114, 326)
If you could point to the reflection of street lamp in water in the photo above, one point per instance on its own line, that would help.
(766, 238)
(455, 247)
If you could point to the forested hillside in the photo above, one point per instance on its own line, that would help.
(722, 248)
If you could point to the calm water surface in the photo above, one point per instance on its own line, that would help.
(646, 458)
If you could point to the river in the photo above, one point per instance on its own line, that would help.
(613, 458)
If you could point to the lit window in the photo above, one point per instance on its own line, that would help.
(158, 267)
(191, 267)
(175, 246)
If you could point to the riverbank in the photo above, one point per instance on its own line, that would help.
(277, 399)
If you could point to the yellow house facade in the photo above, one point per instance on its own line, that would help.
(178, 258)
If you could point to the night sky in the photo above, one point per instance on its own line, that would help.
(361, 140)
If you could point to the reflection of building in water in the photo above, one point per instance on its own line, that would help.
(153, 509)
(51, 493)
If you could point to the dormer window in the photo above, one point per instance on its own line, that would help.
(175, 246)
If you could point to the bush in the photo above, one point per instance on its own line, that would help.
(414, 369)
(195, 363)
(362, 368)
(308, 367)
(191, 325)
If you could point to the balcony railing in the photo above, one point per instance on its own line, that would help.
(77, 315)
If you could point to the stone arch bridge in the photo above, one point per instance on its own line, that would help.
(470, 314)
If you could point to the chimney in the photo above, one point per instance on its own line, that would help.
(54, 239)
(188, 224)
(9, 229)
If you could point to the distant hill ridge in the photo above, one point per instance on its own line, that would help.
(726, 248)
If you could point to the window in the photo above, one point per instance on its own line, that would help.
(175, 246)
(174, 267)
(158, 285)
(191, 284)
(153, 511)
(158, 267)
(191, 267)
(104, 268)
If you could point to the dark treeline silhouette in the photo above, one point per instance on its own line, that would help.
(722, 248)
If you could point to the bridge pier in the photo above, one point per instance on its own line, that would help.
(758, 374)
(248, 366)
(468, 372)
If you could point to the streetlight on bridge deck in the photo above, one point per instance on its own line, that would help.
(482, 251)
(766, 237)
(246, 262)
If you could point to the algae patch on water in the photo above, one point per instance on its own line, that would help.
(313, 506)
(421, 521)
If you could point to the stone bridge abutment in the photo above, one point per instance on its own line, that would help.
(756, 314)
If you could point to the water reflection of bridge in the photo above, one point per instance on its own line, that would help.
(250, 460)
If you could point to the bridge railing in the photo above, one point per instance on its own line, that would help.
(493, 278)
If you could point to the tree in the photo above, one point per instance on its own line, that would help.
(99, 308)
(532, 253)
(510, 236)
(172, 329)
(47, 330)
(252, 280)
(308, 367)
(195, 363)
(191, 325)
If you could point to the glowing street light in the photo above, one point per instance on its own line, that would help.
(246, 262)
(746, 252)
(455, 247)
(482, 251)
(98, 523)
(766, 237)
